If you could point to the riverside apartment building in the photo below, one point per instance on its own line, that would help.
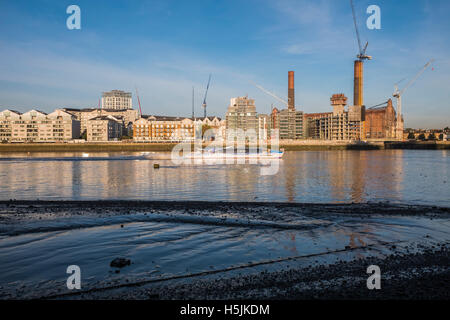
(37, 126)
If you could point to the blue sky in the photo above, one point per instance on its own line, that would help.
(166, 47)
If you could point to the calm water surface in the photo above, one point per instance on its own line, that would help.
(34, 258)
(399, 176)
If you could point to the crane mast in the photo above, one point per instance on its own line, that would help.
(206, 94)
(398, 95)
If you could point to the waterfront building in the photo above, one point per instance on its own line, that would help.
(289, 122)
(381, 122)
(6, 119)
(263, 126)
(215, 125)
(116, 100)
(83, 115)
(340, 124)
(163, 129)
(37, 126)
(241, 115)
(104, 128)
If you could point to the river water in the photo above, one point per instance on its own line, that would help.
(36, 248)
(398, 176)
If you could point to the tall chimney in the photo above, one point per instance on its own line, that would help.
(291, 91)
(358, 84)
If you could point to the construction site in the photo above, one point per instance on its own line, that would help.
(344, 122)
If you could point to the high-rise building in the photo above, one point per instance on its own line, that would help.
(242, 115)
(117, 100)
(288, 121)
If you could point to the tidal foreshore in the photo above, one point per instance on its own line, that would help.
(320, 251)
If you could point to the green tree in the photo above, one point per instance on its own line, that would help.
(84, 135)
(432, 136)
(421, 136)
(441, 136)
(411, 136)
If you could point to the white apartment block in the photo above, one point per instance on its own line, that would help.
(84, 115)
(37, 126)
(104, 128)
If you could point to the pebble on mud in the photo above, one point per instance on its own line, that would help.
(120, 262)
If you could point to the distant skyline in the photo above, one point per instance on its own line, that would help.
(165, 47)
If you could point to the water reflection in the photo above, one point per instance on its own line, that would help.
(323, 176)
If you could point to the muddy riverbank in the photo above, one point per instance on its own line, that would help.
(222, 250)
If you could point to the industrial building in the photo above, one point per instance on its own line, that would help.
(117, 100)
(37, 126)
(340, 124)
(381, 122)
(288, 121)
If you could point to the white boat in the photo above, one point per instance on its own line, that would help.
(226, 154)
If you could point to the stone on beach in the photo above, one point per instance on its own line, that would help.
(120, 262)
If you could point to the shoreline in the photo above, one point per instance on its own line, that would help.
(415, 267)
(167, 147)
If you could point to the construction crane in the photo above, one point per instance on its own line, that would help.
(358, 82)
(398, 95)
(139, 102)
(362, 50)
(193, 113)
(378, 105)
(206, 94)
(270, 93)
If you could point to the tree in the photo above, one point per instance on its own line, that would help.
(411, 136)
(421, 136)
(84, 135)
(432, 136)
(441, 136)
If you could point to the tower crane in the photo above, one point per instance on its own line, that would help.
(270, 93)
(398, 95)
(359, 64)
(206, 93)
(362, 50)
